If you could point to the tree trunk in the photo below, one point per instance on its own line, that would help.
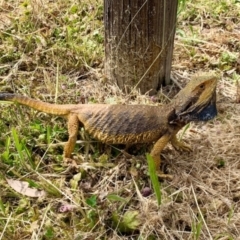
(139, 37)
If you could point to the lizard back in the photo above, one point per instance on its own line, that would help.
(123, 123)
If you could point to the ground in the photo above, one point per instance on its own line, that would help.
(53, 51)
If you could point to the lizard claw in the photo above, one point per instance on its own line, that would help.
(70, 162)
(181, 146)
(162, 175)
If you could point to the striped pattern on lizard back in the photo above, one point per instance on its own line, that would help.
(123, 124)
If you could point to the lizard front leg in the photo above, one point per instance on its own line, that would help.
(180, 145)
(156, 151)
(73, 126)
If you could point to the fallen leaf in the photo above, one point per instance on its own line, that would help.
(23, 188)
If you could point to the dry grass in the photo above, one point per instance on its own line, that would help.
(52, 50)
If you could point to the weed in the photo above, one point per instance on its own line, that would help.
(154, 178)
(197, 229)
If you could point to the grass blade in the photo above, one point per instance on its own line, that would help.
(154, 178)
(17, 143)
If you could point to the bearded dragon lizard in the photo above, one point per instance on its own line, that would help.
(132, 124)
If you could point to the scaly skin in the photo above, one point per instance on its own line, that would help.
(131, 124)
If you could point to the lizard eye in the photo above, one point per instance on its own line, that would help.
(202, 86)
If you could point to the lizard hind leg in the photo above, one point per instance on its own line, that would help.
(73, 126)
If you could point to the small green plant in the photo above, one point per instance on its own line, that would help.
(220, 162)
(197, 228)
(116, 198)
(23, 152)
(127, 223)
(92, 213)
(154, 178)
(49, 233)
(181, 5)
(184, 131)
(227, 59)
(6, 154)
(226, 236)
(230, 215)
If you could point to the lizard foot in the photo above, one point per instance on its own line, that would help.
(71, 165)
(181, 146)
(162, 175)
(70, 162)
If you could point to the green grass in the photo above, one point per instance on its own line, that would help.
(154, 179)
(54, 51)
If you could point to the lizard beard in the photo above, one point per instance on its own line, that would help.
(203, 113)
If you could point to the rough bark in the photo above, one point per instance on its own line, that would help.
(139, 37)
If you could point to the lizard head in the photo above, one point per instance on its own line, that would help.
(197, 101)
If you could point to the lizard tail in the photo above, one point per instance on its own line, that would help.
(54, 109)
